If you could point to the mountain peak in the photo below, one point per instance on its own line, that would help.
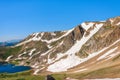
(72, 50)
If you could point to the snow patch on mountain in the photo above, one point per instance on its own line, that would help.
(81, 70)
(38, 38)
(73, 60)
(8, 58)
(34, 55)
(22, 54)
(86, 26)
(49, 46)
(111, 20)
(53, 34)
(31, 52)
(107, 54)
(36, 71)
(112, 55)
(64, 64)
(55, 39)
(118, 24)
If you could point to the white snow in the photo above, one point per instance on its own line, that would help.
(35, 65)
(111, 20)
(42, 34)
(22, 54)
(22, 43)
(75, 48)
(49, 61)
(55, 39)
(59, 55)
(107, 53)
(8, 58)
(80, 70)
(53, 34)
(113, 55)
(60, 43)
(64, 64)
(34, 55)
(20, 58)
(86, 26)
(22, 63)
(31, 52)
(72, 60)
(37, 70)
(35, 38)
(43, 54)
(44, 60)
(68, 78)
(49, 46)
(118, 23)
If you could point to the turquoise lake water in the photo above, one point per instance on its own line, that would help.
(11, 68)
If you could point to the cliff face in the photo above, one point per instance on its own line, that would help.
(68, 50)
(109, 33)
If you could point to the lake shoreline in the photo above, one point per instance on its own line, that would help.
(3, 62)
(6, 67)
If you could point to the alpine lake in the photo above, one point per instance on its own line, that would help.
(11, 68)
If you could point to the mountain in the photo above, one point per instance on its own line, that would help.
(9, 43)
(88, 47)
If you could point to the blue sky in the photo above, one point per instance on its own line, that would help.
(19, 18)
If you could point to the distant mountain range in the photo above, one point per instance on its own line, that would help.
(91, 49)
(9, 43)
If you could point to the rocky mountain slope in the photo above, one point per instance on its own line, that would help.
(87, 47)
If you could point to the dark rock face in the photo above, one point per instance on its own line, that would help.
(68, 41)
(7, 44)
(49, 77)
(78, 32)
(47, 36)
(109, 33)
